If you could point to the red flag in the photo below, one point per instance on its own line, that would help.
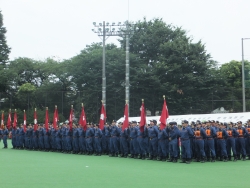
(71, 118)
(55, 118)
(47, 119)
(35, 120)
(24, 121)
(102, 118)
(164, 115)
(82, 119)
(2, 120)
(15, 119)
(143, 117)
(125, 122)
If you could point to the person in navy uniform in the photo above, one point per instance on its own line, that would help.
(46, 134)
(107, 129)
(89, 139)
(5, 134)
(185, 133)
(68, 134)
(114, 132)
(173, 133)
(82, 143)
(141, 135)
(34, 139)
(13, 138)
(153, 138)
(247, 139)
(21, 137)
(199, 135)
(75, 139)
(58, 138)
(230, 142)
(124, 142)
(97, 137)
(221, 140)
(240, 141)
(209, 142)
(162, 144)
(133, 131)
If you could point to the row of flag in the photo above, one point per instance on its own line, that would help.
(82, 119)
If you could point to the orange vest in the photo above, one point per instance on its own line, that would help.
(240, 131)
(219, 134)
(208, 132)
(248, 130)
(197, 133)
(230, 133)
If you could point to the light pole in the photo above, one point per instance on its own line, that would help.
(243, 76)
(107, 30)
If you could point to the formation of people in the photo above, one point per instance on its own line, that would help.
(198, 141)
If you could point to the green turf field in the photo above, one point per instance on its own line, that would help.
(28, 169)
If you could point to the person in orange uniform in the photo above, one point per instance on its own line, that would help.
(247, 139)
(232, 134)
(221, 136)
(240, 141)
(200, 135)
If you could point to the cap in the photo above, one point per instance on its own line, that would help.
(184, 121)
(114, 121)
(172, 123)
(225, 124)
(134, 121)
(154, 121)
(239, 122)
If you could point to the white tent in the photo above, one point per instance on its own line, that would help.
(223, 117)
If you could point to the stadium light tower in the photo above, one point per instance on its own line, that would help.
(122, 30)
(243, 76)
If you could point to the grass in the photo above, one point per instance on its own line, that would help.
(28, 169)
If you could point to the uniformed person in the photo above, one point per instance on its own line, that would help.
(247, 139)
(5, 134)
(114, 132)
(133, 131)
(240, 141)
(173, 133)
(200, 135)
(232, 134)
(209, 142)
(97, 137)
(153, 144)
(222, 135)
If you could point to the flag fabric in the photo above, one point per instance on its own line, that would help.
(47, 120)
(55, 118)
(102, 118)
(143, 118)
(2, 120)
(71, 118)
(35, 120)
(125, 122)
(82, 119)
(14, 121)
(164, 115)
(24, 122)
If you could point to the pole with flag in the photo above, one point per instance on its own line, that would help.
(164, 114)
(15, 119)
(47, 119)
(55, 118)
(82, 119)
(24, 122)
(102, 117)
(2, 120)
(125, 122)
(71, 118)
(35, 120)
(143, 116)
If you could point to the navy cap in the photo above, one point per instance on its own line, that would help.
(154, 121)
(225, 124)
(134, 121)
(184, 121)
(172, 123)
(114, 121)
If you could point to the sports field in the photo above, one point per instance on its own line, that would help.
(28, 169)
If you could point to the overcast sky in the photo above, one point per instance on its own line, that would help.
(62, 28)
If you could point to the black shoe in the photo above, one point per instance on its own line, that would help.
(163, 159)
(225, 159)
(203, 160)
(188, 161)
(155, 158)
(171, 160)
(131, 156)
(160, 158)
(183, 161)
(140, 157)
(126, 155)
(150, 158)
(175, 160)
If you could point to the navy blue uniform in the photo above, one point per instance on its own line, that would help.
(40, 138)
(185, 134)
(232, 134)
(34, 139)
(89, 140)
(75, 141)
(240, 142)
(141, 142)
(153, 144)
(221, 136)
(200, 135)
(98, 136)
(5, 134)
(162, 143)
(247, 141)
(13, 138)
(209, 142)
(133, 131)
(173, 134)
(82, 143)
(114, 132)
(107, 138)
(123, 142)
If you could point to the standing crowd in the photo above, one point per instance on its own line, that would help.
(198, 141)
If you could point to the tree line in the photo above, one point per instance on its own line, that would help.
(164, 60)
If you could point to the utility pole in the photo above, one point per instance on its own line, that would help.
(243, 77)
(122, 30)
